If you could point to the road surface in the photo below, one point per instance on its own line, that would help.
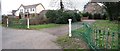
(34, 39)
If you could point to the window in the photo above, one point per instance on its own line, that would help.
(21, 10)
(33, 9)
(27, 10)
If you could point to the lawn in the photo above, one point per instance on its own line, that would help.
(40, 26)
(105, 24)
(44, 26)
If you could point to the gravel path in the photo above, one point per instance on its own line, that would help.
(34, 39)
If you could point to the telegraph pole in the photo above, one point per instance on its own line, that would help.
(61, 5)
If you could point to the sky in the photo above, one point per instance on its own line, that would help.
(8, 5)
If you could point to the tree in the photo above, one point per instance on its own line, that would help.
(113, 9)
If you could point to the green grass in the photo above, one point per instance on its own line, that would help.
(105, 24)
(41, 26)
(44, 26)
(69, 43)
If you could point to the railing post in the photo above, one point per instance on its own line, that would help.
(113, 45)
(104, 38)
(70, 27)
(107, 38)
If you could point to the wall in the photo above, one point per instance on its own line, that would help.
(39, 8)
(18, 11)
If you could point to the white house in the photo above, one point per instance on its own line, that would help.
(31, 9)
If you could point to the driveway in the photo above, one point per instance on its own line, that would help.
(58, 31)
(27, 39)
(35, 39)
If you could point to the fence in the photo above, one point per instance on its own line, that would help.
(16, 23)
(97, 38)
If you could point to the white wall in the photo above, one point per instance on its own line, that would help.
(32, 10)
(39, 8)
(18, 11)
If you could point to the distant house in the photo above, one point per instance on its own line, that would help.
(32, 10)
(92, 7)
(13, 12)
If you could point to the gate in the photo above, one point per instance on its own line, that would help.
(97, 38)
(17, 23)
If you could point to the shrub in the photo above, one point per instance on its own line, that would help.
(60, 17)
(52, 15)
(90, 16)
(104, 16)
(85, 14)
(78, 16)
(97, 16)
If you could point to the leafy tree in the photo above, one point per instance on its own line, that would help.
(113, 9)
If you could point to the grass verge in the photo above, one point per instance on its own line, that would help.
(70, 43)
(104, 24)
(44, 26)
(41, 26)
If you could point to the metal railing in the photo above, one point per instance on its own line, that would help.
(97, 38)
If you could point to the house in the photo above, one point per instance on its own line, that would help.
(94, 8)
(32, 10)
(13, 12)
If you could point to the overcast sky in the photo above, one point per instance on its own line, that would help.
(9, 5)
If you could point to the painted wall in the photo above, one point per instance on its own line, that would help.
(18, 11)
(32, 10)
(39, 8)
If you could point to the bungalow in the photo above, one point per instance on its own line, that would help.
(23, 10)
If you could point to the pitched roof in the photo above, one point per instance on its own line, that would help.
(31, 6)
(13, 11)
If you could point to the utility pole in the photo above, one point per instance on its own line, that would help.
(61, 5)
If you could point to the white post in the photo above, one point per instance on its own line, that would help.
(70, 27)
(28, 23)
(7, 22)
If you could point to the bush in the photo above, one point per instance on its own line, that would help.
(105, 16)
(60, 17)
(78, 16)
(97, 16)
(52, 15)
(90, 16)
(85, 14)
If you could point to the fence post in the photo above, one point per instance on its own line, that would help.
(28, 23)
(28, 20)
(7, 22)
(70, 27)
